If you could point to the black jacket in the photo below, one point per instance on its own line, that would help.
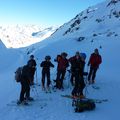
(26, 74)
(32, 63)
(46, 65)
(77, 65)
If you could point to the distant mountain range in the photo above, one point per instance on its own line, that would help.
(23, 35)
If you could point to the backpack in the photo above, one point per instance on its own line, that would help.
(58, 84)
(83, 105)
(83, 55)
(18, 74)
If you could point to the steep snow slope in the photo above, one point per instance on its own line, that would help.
(95, 22)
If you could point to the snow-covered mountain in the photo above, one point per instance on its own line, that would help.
(100, 20)
(16, 36)
(98, 27)
(96, 22)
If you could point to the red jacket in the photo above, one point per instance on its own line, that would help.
(62, 63)
(95, 60)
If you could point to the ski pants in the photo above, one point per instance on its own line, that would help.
(60, 76)
(72, 77)
(79, 84)
(45, 74)
(25, 90)
(92, 73)
(32, 72)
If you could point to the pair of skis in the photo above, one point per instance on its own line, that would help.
(92, 99)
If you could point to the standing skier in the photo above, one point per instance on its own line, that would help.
(32, 62)
(46, 72)
(61, 69)
(78, 64)
(72, 61)
(94, 62)
(25, 84)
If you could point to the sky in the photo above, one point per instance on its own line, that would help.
(41, 12)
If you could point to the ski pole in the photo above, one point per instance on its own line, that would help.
(86, 82)
(35, 91)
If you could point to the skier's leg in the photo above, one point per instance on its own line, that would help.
(23, 90)
(48, 78)
(82, 86)
(94, 75)
(71, 79)
(58, 79)
(90, 74)
(27, 91)
(43, 80)
(62, 77)
(58, 75)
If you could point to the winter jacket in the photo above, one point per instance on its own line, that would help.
(46, 65)
(77, 64)
(32, 63)
(62, 63)
(95, 60)
(26, 74)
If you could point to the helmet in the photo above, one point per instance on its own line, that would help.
(96, 51)
(31, 56)
(47, 57)
(77, 53)
(64, 54)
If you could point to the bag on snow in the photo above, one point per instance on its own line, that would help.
(83, 105)
(18, 74)
(58, 84)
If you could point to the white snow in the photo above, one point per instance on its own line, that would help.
(16, 36)
(59, 108)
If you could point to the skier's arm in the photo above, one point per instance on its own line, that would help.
(67, 64)
(42, 64)
(51, 65)
(89, 60)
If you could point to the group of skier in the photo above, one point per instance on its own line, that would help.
(76, 63)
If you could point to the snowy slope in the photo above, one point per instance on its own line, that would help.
(98, 21)
(24, 35)
(56, 107)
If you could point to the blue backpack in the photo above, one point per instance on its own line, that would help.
(83, 55)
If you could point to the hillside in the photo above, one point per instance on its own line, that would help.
(100, 22)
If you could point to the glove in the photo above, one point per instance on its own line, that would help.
(88, 64)
(55, 60)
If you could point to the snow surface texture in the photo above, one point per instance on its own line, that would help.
(55, 107)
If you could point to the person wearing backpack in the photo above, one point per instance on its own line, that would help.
(94, 62)
(46, 72)
(73, 66)
(78, 64)
(32, 62)
(61, 69)
(25, 84)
